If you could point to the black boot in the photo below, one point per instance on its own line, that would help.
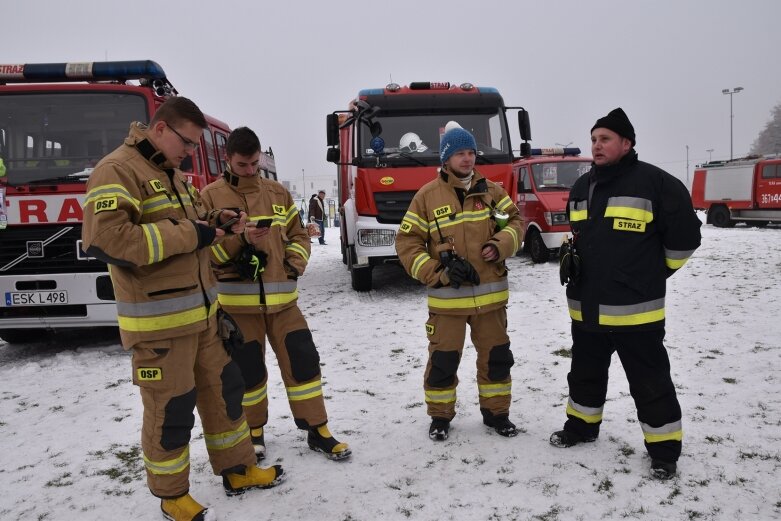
(566, 439)
(438, 431)
(663, 470)
(501, 424)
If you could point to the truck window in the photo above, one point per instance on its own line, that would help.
(212, 165)
(50, 135)
(222, 140)
(556, 176)
(526, 185)
(769, 171)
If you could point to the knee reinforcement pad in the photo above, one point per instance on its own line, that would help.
(249, 357)
(178, 421)
(304, 358)
(500, 360)
(232, 390)
(444, 365)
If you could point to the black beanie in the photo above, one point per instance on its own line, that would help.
(617, 121)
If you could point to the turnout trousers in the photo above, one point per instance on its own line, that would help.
(299, 363)
(176, 375)
(647, 368)
(446, 334)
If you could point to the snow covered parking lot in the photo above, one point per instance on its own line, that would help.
(70, 418)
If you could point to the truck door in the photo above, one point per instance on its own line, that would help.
(768, 185)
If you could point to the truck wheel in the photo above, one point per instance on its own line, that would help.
(720, 217)
(361, 278)
(18, 336)
(537, 249)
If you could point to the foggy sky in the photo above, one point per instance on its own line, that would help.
(280, 67)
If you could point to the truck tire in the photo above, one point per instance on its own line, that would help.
(361, 278)
(18, 336)
(537, 249)
(719, 216)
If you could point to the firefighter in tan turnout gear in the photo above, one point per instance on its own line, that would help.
(454, 238)
(257, 274)
(145, 220)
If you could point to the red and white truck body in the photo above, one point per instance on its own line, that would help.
(741, 190)
(544, 180)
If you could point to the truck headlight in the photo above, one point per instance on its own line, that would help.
(371, 237)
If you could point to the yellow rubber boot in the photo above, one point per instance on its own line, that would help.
(185, 508)
(321, 440)
(236, 483)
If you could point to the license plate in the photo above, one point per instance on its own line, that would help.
(35, 298)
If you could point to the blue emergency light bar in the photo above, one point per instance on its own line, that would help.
(81, 71)
(555, 151)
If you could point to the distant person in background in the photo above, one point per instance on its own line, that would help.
(633, 226)
(317, 213)
(257, 274)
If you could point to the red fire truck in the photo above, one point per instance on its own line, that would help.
(386, 146)
(545, 178)
(57, 121)
(741, 190)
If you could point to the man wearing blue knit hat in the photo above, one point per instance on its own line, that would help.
(454, 238)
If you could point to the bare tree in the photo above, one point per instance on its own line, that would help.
(769, 140)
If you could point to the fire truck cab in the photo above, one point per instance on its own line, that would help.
(544, 181)
(57, 121)
(386, 146)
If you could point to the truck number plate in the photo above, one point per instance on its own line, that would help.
(35, 298)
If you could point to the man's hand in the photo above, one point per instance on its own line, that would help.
(459, 271)
(253, 234)
(490, 253)
(238, 227)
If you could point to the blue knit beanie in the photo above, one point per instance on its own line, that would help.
(454, 140)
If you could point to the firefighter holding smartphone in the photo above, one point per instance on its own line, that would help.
(257, 273)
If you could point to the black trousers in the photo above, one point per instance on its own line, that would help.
(647, 368)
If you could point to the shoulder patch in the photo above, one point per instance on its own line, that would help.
(278, 209)
(157, 186)
(106, 204)
(442, 211)
(405, 226)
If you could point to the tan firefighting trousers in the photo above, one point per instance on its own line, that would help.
(176, 375)
(446, 335)
(298, 359)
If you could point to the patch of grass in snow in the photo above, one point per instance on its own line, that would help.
(56, 408)
(693, 514)
(763, 456)
(63, 480)
(675, 492)
(119, 382)
(606, 486)
(730, 380)
(563, 352)
(551, 515)
(413, 405)
(635, 512)
(127, 467)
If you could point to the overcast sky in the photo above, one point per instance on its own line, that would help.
(280, 67)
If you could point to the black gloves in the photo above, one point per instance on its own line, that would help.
(459, 271)
(250, 262)
(206, 235)
(569, 263)
(229, 332)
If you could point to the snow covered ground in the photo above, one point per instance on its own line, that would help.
(70, 418)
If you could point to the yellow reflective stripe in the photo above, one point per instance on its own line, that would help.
(462, 217)
(171, 466)
(595, 417)
(514, 235)
(415, 219)
(297, 248)
(674, 264)
(272, 299)
(219, 252)
(578, 215)
(505, 203)
(418, 263)
(111, 190)
(633, 319)
(304, 392)
(226, 440)
(576, 314)
(185, 318)
(629, 213)
(656, 438)
(154, 242)
(469, 302)
(446, 396)
(491, 390)
(254, 397)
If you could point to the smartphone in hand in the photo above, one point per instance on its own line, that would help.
(227, 225)
(263, 223)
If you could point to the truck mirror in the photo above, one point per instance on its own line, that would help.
(523, 125)
(375, 128)
(332, 129)
(333, 155)
(526, 149)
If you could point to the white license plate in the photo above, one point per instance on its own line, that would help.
(35, 298)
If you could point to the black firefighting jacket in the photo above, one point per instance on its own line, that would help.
(634, 226)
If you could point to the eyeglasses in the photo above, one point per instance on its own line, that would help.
(192, 145)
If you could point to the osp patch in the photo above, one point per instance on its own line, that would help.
(149, 374)
(106, 204)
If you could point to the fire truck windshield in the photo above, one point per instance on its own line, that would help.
(48, 136)
(414, 138)
(556, 176)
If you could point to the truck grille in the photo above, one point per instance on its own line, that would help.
(59, 254)
(391, 206)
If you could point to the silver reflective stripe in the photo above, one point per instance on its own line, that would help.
(152, 238)
(578, 205)
(162, 307)
(632, 309)
(469, 291)
(664, 429)
(211, 293)
(251, 288)
(573, 304)
(678, 254)
(631, 202)
(292, 394)
(589, 411)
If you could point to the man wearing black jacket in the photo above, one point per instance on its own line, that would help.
(633, 226)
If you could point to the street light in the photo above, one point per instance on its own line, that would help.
(563, 146)
(709, 151)
(303, 184)
(731, 92)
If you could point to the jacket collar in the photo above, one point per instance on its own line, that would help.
(479, 184)
(605, 173)
(240, 183)
(137, 138)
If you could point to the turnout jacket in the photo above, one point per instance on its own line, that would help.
(139, 218)
(286, 246)
(633, 226)
(443, 216)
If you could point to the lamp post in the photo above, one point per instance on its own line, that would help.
(731, 92)
(687, 165)
(303, 184)
(709, 151)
